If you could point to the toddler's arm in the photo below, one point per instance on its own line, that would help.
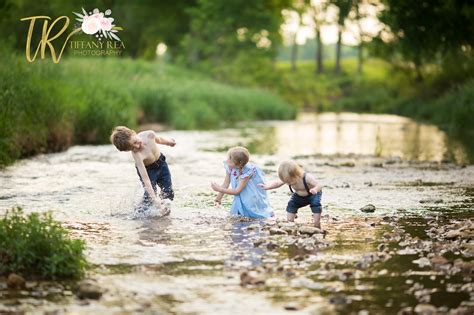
(312, 182)
(225, 184)
(273, 185)
(243, 182)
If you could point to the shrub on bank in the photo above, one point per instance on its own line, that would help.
(35, 245)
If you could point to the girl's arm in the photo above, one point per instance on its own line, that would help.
(243, 182)
(312, 182)
(225, 184)
(275, 184)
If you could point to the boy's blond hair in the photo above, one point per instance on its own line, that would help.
(289, 171)
(239, 156)
(120, 138)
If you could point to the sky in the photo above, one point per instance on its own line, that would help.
(370, 25)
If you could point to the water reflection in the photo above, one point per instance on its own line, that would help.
(362, 134)
(244, 252)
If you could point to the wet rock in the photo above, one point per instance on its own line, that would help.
(438, 260)
(15, 281)
(407, 251)
(347, 164)
(368, 208)
(277, 231)
(272, 246)
(309, 230)
(382, 247)
(289, 227)
(454, 234)
(292, 306)
(406, 311)
(422, 262)
(87, 289)
(393, 160)
(253, 227)
(307, 283)
(251, 278)
(431, 200)
(425, 309)
(338, 300)
(258, 242)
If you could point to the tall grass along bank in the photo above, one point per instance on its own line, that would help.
(47, 107)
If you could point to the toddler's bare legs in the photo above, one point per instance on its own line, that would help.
(317, 220)
(290, 217)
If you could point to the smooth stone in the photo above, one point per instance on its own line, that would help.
(368, 208)
(89, 290)
(309, 230)
(277, 231)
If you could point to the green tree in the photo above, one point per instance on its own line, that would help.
(344, 7)
(426, 31)
(317, 11)
(221, 30)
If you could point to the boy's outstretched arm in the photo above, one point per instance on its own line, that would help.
(160, 140)
(146, 179)
(225, 184)
(273, 185)
(230, 191)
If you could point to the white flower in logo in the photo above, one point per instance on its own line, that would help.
(90, 25)
(96, 22)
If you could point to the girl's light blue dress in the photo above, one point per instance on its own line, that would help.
(252, 202)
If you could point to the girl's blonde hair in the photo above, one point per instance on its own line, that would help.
(239, 156)
(289, 171)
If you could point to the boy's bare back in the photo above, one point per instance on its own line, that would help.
(148, 151)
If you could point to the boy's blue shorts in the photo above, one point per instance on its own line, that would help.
(160, 175)
(297, 201)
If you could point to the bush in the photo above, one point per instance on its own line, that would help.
(37, 246)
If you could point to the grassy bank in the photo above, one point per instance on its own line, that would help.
(47, 107)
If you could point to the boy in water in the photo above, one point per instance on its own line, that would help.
(149, 161)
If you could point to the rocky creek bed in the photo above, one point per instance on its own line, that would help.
(399, 236)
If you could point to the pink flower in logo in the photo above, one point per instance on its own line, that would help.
(106, 23)
(97, 22)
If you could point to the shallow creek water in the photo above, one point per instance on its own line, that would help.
(199, 260)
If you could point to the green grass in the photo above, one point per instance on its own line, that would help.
(47, 107)
(36, 246)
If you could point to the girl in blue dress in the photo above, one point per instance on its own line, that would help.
(249, 199)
